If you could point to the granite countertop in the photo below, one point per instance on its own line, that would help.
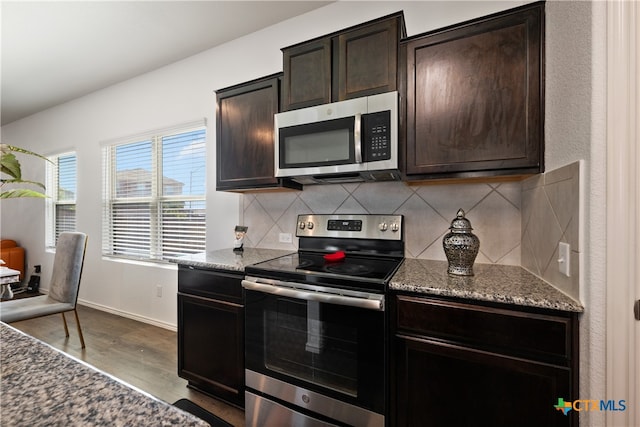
(41, 386)
(227, 259)
(496, 283)
(491, 282)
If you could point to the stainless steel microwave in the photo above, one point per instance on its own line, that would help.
(346, 141)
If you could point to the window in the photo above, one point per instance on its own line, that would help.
(155, 196)
(61, 189)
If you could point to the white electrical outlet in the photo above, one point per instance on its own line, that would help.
(285, 238)
(564, 258)
(159, 291)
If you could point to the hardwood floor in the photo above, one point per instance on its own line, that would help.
(140, 354)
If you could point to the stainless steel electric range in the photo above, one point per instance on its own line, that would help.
(315, 324)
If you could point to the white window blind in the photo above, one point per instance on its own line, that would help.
(61, 189)
(155, 196)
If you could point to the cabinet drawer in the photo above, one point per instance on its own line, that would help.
(215, 284)
(539, 336)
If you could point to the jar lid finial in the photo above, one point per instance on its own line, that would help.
(460, 222)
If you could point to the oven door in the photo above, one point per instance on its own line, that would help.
(319, 351)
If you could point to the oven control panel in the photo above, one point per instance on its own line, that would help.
(344, 225)
(385, 227)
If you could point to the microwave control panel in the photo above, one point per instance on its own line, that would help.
(376, 138)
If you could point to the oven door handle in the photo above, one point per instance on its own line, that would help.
(375, 303)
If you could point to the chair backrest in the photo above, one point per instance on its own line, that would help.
(67, 267)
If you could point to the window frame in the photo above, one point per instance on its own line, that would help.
(156, 201)
(53, 197)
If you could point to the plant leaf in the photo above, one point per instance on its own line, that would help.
(6, 148)
(20, 181)
(21, 192)
(10, 165)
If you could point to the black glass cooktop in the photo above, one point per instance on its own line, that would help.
(354, 271)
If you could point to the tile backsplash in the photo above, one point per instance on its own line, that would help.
(518, 223)
(550, 215)
(493, 209)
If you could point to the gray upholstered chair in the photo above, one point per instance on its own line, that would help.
(63, 288)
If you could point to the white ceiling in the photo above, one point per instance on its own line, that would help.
(56, 51)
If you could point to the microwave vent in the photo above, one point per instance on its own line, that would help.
(387, 175)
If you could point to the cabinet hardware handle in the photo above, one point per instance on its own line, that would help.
(636, 309)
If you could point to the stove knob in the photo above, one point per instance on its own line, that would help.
(383, 226)
(310, 225)
(301, 225)
(395, 227)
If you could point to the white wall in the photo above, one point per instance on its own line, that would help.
(178, 93)
(575, 129)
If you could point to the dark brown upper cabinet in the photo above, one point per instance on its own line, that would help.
(244, 143)
(358, 61)
(307, 75)
(475, 97)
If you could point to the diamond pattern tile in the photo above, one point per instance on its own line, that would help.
(351, 206)
(289, 219)
(496, 222)
(528, 260)
(324, 199)
(259, 223)
(528, 198)
(383, 197)
(513, 257)
(512, 191)
(422, 225)
(544, 230)
(424, 208)
(550, 214)
(562, 200)
(518, 223)
(276, 203)
(272, 240)
(246, 200)
(435, 251)
(447, 199)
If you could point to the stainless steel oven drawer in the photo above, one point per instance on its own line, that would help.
(261, 412)
(300, 397)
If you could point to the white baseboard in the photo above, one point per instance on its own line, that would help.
(137, 317)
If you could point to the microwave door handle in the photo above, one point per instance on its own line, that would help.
(357, 137)
(370, 304)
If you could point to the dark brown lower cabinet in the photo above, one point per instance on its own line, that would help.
(211, 334)
(461, 364)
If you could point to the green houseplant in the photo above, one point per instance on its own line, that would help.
(12, 174)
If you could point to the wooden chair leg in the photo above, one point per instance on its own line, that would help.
(79, 328)
(66, 329)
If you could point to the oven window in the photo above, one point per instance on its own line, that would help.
(318, 144)
(332, 349)
(303, 340)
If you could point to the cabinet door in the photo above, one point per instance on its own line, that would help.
(211, 346)
(244, 146)
(475, 97)
(307, 74)
(441, 384)
(367, 60)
